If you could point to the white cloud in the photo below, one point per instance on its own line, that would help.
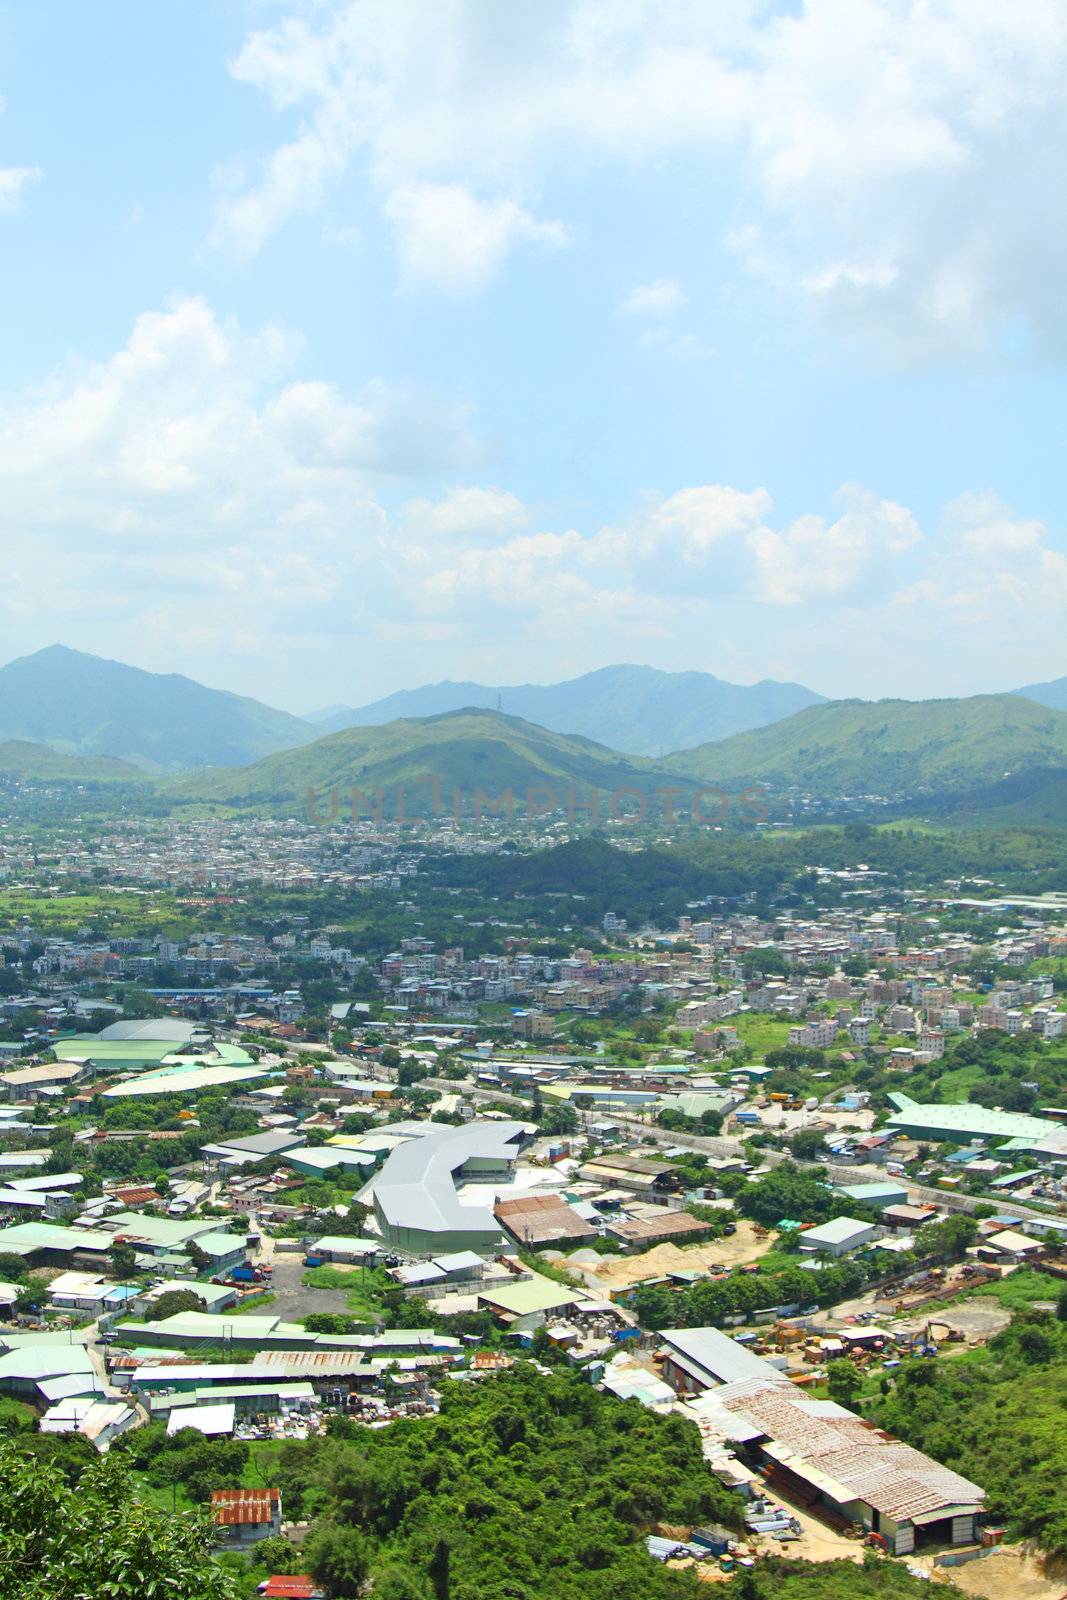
(660, 298)
(189, 471)
(192, 498)
(813, 559)
(992, 568)
(13, 182)
(471, 513)
(449, 238)
(895, 162)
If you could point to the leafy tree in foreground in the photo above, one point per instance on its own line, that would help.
(96, 1539)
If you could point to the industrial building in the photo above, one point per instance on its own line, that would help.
(415, 1198)
(961, 1124)
(815, 1452)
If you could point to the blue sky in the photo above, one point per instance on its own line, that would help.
(352, 345)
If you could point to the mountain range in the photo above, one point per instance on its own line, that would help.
(73, 718)
(1052, 694)
(1000, 753)
(638, 709)
(161, 722)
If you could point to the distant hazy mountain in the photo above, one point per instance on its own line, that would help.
(467, 750)
(1053, 693)
(638, 709)
(892, 747)
(82, 705)
(20, 759)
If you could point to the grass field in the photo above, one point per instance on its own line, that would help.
(762, 1032)
(362, 1288)
(1018, 1290)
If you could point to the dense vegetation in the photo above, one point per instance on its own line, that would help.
(63, 1540)
(891, 746)
(522, 1488)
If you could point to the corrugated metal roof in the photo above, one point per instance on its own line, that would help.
(843, 1455)
(232, 1508)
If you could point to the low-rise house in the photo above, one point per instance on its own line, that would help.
(245, 1516)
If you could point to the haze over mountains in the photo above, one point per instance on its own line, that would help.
(638, 709)
(67, 717)
(162, 722)
(1053, 693)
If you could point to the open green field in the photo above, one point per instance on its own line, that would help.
(362, 1290)
(1018, 1291)
(761, 1032)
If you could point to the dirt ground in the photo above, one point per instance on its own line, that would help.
(978, 1319)
(817, 1542)
(618, 1272)
(1011, 1572)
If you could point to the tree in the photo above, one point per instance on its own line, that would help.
(808, 1145)
(558, 1118)
(175, 1301)
(337, 1557)
(844, 1382)
(276, 1554)
(12, 1267)
(1061, 1305)
(30, 1295)
(199, 1258)
(123, 1259)
(96, 1538)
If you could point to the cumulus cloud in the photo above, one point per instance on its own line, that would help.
(447, 237)
(190, 470)
(13, 183)
(894, 163)
(991, 567)
(660, 298)
(193, 497)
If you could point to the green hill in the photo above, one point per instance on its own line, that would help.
(36, 762)
(465, 750)
(891, 747)
(163, 722)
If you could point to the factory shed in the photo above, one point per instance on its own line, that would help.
(210, 1420)
(415, 1198)
(838, 1236)
(675, 1225)
(875, 1195)
(697, 1358)
(541, 1219)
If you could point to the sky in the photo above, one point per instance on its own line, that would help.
(349, 345)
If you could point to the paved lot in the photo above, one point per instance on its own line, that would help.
(293, 1300)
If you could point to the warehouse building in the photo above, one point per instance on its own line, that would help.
(415, 1196)
(815, 1453)
(962, 1124)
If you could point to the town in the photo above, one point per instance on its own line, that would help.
(259, 1170)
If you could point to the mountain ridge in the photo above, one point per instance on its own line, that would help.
(1052, 694)
(889, 747)
(640, 710)
(469, 750)
(85, 705)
